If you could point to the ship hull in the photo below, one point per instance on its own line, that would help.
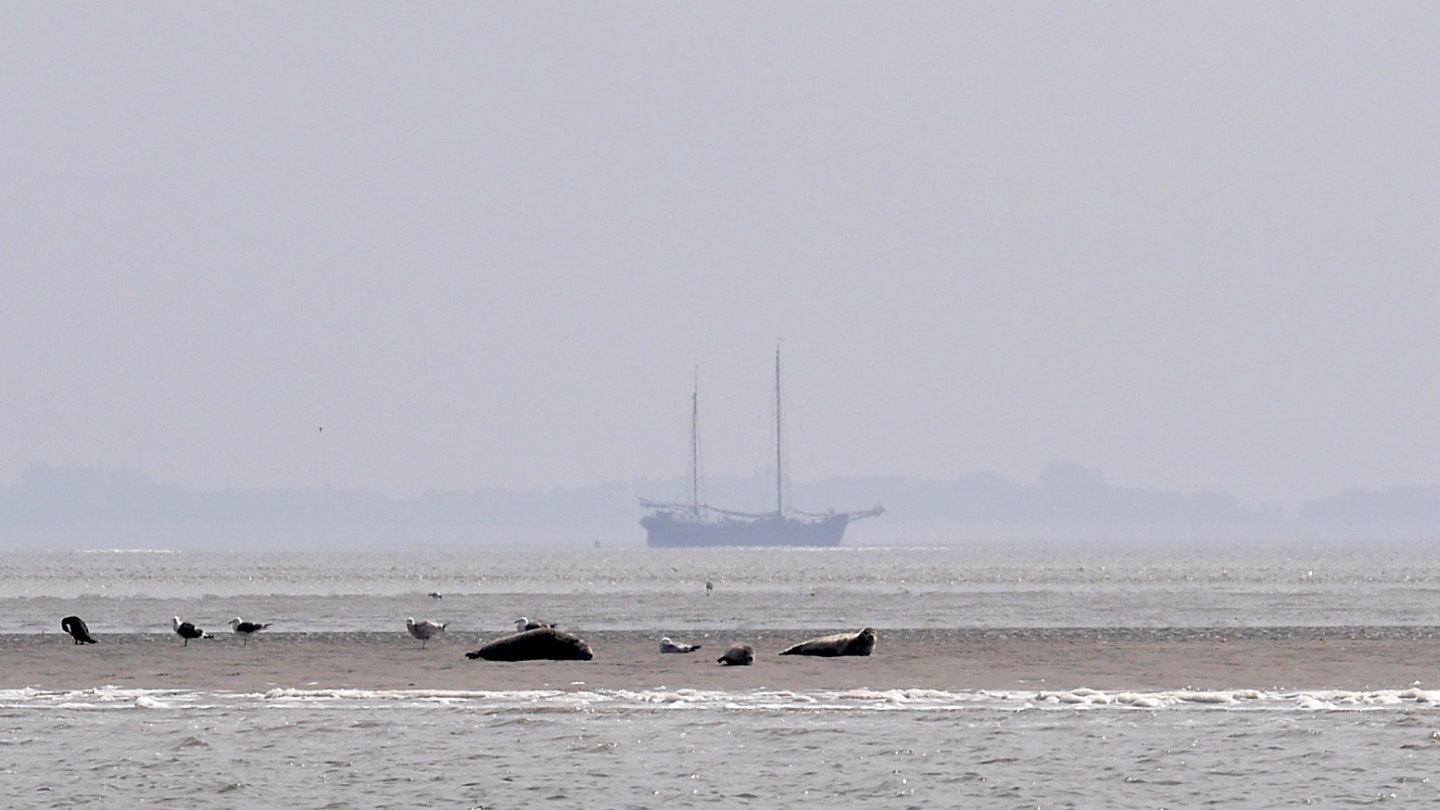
(664, 531)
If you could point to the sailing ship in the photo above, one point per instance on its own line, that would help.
(697, 524)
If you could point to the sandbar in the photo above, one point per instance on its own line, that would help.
(951, 660)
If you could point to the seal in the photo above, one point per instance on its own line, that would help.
(739, 655)
(861, 643)
(540, 644)
(668, 646)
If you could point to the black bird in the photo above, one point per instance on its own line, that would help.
(245, 629)
(187, 631)
(75, 626)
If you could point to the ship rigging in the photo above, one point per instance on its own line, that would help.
(698, 524)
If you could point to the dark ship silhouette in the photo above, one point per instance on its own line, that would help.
(696, 524)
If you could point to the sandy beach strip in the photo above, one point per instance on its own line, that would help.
(952, 660)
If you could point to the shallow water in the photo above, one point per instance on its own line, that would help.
(122, 748)
(637, 588)
(109, 747)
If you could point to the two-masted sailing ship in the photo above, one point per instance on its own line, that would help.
(697, 524)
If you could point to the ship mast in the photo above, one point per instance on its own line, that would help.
(779, 460)
(695, 444)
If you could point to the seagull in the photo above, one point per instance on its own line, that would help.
(75, 626)
(668, 646)
(187, 631)
(246, 629)
(436, 595)
(425, 630)
(522, 624)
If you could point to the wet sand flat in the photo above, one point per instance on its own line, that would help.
(907, 659)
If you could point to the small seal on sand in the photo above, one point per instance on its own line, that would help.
(668, 646)
(861, 643)
(75, 626)
(739, 655)
(540, 644)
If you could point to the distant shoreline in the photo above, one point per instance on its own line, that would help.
(78, 506)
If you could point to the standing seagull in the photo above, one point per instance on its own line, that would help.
(187, 631)
(75, 626)
(425, 630)
(246, 629)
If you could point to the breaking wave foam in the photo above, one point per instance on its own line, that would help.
(112, 698)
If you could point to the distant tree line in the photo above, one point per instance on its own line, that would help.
(74, 495)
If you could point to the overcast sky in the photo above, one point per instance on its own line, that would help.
(486, 244)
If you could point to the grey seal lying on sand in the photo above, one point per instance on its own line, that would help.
(668, 646)
(739, 655)
(861, 643)
(540, 644)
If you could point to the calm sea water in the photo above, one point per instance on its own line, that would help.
(637, 588)
(109, 747)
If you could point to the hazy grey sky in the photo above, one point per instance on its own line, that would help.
(1186, 244)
